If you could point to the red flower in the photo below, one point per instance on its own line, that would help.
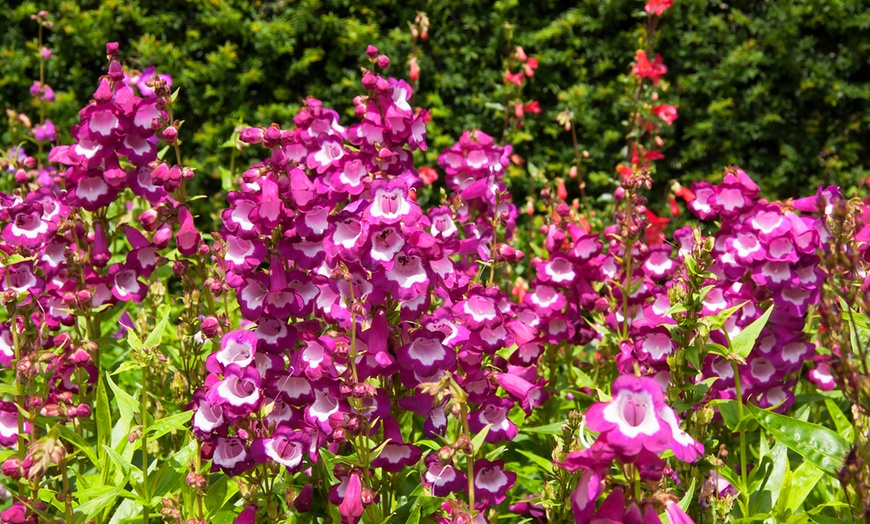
(561, 192)
(666, 113)
(657, 6)
(654, 155)
(530, 67)
(645, 69)
(414, 74)
(428, 175)
(675, 208)
(655, 231)
(684, 193)
(513, 78)
(532, 107)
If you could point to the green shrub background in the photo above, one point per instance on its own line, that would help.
(780, 88)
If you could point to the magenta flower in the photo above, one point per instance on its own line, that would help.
(492, 482)
(494, 411)
(351, 508)
(443, 479)
(231, 456)
(630, 422)
(286, 447)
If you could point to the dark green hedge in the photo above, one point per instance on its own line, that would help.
(778, 87)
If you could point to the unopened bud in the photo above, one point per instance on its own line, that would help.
(210, 326)
(252, 135)
(170, 134)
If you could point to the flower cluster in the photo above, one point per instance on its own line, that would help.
(64, 258)
(635, 428)
(364, 307)
(764, 253)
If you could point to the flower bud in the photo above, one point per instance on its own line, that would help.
(197, 482)
(371, 51)
(149, 219)
(21, 176)
(445, 454)
(339, 435)
(272, 136)
(383, 61)
(116, 72)
(12, 468)
(179, 267)
(170, 134)
(302, 503)
(210, 326)
(369, 81)
(112, 48)
(252, 135)
(83, 410)
(162, 236)
(366, 497)
(619, 194)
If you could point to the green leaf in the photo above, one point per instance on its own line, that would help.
(153, 339)
(844, 427)
(817, 444)
(477, 441)
(134, 340)
(171, 423)
(717, 321)
(765, 496)
(219, 494)
(744, 341)
(543, 463)
(550, 429)
(822, 519)
(127, 405)
(730, 412)
(103, 418)
(803, 480)
(100, 497)
(79, 443)
(688, 497)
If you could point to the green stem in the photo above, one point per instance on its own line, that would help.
(19, 398)
(143, 409)
(469, 461)
(744, 495)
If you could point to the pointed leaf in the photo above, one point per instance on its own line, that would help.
(744, 341)
(816, 443)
